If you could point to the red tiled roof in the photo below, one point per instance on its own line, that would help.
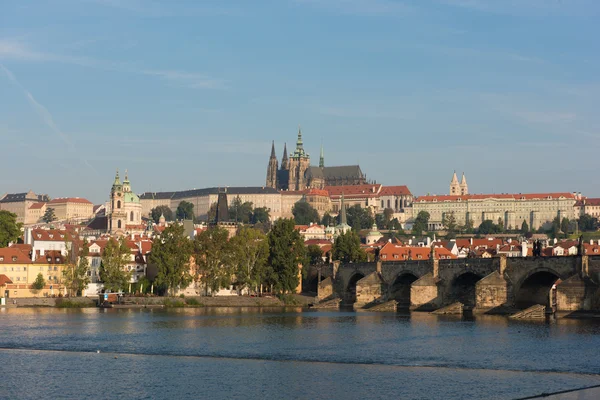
(25, 248)
(354, 190)
(52, 255)
(391, 252)
(51, 235)
(61, 200)
(8, 253)
(524, 196)
(318, 192)
(4, 280)
(37, 206)
(395, 191)
(591, 202)
(317, 242)
(301, 227)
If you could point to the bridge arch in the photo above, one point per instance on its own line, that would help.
(400, 288)
(535, 287)
(462, 288)
(351, 288)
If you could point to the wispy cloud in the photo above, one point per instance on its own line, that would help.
(360, 7)
(16, 50)
(46, 116)
(529, 7)
(188, 79)
(162, 9)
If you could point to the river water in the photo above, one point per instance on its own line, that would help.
(231, 353)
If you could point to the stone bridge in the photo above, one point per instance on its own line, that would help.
(569, 283)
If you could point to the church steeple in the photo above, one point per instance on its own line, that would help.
(284, 160)
(454, 186)
(322, 158)
(126, 184)
(299, 152)
(117, 186)
(464, 188)
(272, 169)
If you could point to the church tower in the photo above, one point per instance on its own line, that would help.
(272, 169)
(118, 217)
(454, 186)
(322, 158)
(464, 188)
(299, 163)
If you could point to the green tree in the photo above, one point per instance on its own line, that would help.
(10, 230)
(115, 258)
(156, 212)
(555, 229)
(250, 255)
(260, 215)
(488, 227)
(171, 255)
(586, 223)
(304, 213)
(240, 212)
(524, 228)
(565, 225)
(327, 219)
(500, 225)
(39, 282)
(211, 215)
(77, 266)
(450, 225)
(359, 218)
(468, 227)
(388, 213)
(185, 210)
(346, 248)
(213, 255)
(421, 223)
(315, 254)
(49, 215)
(287, 252)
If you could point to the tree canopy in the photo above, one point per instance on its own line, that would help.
(39, 282)
(327, 219)
(113, 271)
(213, 255)
(287, 251)
(250, 253)
(77, 266)
(185, 210)
(587, 223)
(524, 228)
(359, 218)
(420, 224)
(10, 230)
(171, 255)
(450, 225)
(261, 215)
(157, 211)
(304, 213)
(346, 248)
(240, 212)
(315, 254)
(49, 215)
(488, 227)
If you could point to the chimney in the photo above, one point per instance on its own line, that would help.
(41, 252)
(471, 241)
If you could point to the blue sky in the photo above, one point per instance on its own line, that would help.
(189, 94)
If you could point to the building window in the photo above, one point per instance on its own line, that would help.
(14, 258)
(131, 216)
(119, 204)
(119, 224)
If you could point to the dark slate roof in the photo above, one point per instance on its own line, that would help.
(156, 195)
(99, 223)
(205, 192)
(345, 171)
(17, 197)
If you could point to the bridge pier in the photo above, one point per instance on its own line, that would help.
(425, 294)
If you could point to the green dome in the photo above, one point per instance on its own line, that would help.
(130, 197)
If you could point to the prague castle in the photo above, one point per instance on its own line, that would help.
(296, 173)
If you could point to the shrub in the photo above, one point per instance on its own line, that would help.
(193, 302)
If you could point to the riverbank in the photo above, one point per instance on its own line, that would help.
(195, 301)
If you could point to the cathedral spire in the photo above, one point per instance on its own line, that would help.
(322, 158)
(284, 160)
(117, 180)
(454, 186)
(273, 150)
(299, 145)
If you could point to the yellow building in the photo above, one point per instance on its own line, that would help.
(71, 208)
(18, 267)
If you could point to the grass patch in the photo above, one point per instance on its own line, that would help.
(288, 299)
(169, 303)
(66, 303)
(193, 302)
